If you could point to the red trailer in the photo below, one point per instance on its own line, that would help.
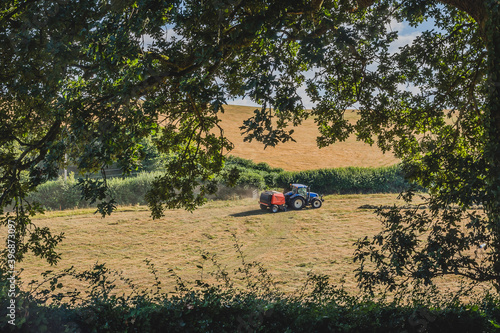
(272, 199)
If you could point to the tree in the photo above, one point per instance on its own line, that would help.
(84, 82)
(456, 159)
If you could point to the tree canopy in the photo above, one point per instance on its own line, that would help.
(84, 82)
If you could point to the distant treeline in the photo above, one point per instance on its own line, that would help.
(64, 194)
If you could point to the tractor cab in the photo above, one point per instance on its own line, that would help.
(300, 196)
(300, 189)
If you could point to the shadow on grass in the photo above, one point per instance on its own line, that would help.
(251, 213)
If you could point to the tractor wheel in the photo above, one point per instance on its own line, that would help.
(316, 203)
(298, 203)
(263, 207)
(274, 208)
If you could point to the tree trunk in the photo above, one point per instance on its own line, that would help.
(477, 9)
(492, 133)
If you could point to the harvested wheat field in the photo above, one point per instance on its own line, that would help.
(304, 153)
(289, 244)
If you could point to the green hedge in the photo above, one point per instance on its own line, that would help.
(326, 181)
(220, 307)
(209, 313)
(348, 180)
(132, 191)
(60, 194)
(64, 194)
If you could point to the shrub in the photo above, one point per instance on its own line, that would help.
(60, 194)
(347, 180)
(64, 194)
(257, 306)
(132, 190)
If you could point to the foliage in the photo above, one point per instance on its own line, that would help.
(58, 194)
(244, 300)
(65, 194)
(348, 180)
(151, 158)
(249, 173)
(451, 153)
(80, 85)
(326, 181)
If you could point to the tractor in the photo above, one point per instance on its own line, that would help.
(300, 197)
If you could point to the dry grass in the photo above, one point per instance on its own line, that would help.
(304, 153)
(289, 244)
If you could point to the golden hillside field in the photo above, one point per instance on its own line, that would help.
(304, 153)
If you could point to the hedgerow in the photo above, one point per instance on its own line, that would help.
(244, 300)
(348, 180)
(64, 194)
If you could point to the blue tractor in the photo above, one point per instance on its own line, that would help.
(300, 197)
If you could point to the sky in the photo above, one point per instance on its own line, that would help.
(406, 36)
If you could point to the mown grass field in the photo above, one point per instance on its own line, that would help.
(289, 244)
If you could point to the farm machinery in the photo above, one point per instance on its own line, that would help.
(273, 200)
(298, 198)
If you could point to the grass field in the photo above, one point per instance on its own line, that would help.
(289, 244)
(304, 153)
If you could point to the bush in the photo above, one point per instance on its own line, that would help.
(348, 180)
(257, 306)
(326, 181)
(233, 161)
(132, 190)
(64, 194)
(60, 194)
